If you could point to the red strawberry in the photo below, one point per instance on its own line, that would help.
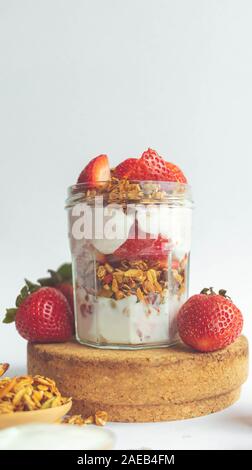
(151, 167)
(174, 173)
(62, 280)
(144, 248)
(125, 169)
(42, 315)
(209, 321)
(67, 290)
(97, 170)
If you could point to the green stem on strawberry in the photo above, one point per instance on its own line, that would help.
(28, 289)
(210, 291)
(63, 274)
(61, 279)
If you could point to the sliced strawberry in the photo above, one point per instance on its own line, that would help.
(143, 248)
(151, 166)
(174, 173)
(97, 170)
(126, 169)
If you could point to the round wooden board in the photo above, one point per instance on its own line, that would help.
(146, 385)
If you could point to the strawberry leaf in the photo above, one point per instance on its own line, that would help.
(10, 315)
(31, 286)
(65, 272)
(23, 294)
(46, 281)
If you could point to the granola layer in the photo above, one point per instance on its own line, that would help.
(143, 278)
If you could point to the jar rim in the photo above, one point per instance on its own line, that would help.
(174, 190)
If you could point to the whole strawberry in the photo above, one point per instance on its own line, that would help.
(66, 289)
(61, 280)
(42, 314)
(209, 321)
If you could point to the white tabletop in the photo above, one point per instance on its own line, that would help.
(227, 429)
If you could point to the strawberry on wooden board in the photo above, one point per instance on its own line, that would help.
(62, 280)
(126, 169)
(42, 314)
(67, 290)
(209, 321)
(97, 170)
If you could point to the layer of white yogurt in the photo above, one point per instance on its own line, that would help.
(126, 321)
(173, 223)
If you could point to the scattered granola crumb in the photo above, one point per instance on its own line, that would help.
(100, 419)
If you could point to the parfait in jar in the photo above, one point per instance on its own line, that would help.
(130, 237)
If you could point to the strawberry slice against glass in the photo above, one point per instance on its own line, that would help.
(151, 166)
(141, 245)
(126, 169)
(97, 170)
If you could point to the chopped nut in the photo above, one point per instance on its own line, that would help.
(134, 273)
(3, 368)
(148, 287)
(118, 276)
(8, 387)
(101, 272)
(177, 277)
(140, 294)
(152, 276)
(29, 402)
(89, 420)
(42, 387)
(19, 395)
(74, 419)
(119, 295)
(114, 285)
(28, 393)
(101, 418)
(48, 394)
(6, 407)
(108, 268)
(105, 293)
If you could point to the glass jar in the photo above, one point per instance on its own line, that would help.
(130, 245)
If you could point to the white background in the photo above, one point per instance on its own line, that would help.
(79, 78)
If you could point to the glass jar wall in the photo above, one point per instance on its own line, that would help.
(130, 245)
